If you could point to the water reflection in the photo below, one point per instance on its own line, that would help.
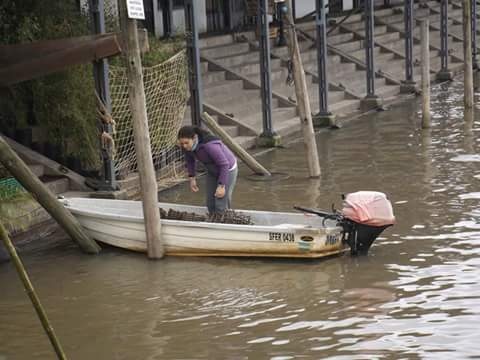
(414, 297)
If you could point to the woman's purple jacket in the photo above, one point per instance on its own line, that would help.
(215, 156)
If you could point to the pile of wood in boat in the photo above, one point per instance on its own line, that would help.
(226, 217)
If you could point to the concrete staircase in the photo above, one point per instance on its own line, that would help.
(231, 69)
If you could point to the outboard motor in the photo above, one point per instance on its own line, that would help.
(364, 216)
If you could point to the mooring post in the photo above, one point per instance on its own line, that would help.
(444, 73)
(467, 55)
(408, 85)
(324, 116)
(12, 162)
(475, 65)
(138, 108)
(371, 100)
(193, 54)
(267, 138)
(22, 273)
(253, 164)
(425, 48)
(301, 92)
(100, 74)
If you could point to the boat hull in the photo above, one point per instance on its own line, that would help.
(300, 237)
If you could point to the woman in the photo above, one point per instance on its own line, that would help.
(219, 161)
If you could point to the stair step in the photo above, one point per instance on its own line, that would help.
(239, 59)
(225, 50)
(231, 130)
(216, 41)
(246, 142)
(223, 87)
(57, 185)
(38, 170)
(254, 67)
(344, 107)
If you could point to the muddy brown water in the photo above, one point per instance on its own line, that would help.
(415, 296)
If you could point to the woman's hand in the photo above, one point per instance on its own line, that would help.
(193, 184)
(220, 192)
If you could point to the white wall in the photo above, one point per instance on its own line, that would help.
(179, 19)
(304, 7)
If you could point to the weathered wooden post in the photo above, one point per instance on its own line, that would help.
(425, 58)
(12, 162)
(467, 55)
(136, 94)
(22, 273)
(301, 92)
(238, 150)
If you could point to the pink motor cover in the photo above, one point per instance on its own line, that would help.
(369, 208)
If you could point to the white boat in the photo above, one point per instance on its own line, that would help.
(274, 234)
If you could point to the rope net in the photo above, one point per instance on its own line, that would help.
(166, 98)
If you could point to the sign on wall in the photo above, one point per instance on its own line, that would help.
(135, 9)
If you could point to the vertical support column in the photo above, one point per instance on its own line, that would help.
(475, 65)
(267, 138)
(230, 14)
(408, 85)
(324, 117)
(167, 15)
(100, 75)
(444, 73)
(194, 71)
(141, 133)
(467, 55)
(425, 56)
(371, 100)
(281, 9)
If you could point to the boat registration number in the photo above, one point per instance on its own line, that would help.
(332, 239)
(283, 237)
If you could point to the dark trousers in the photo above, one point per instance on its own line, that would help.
(216, 205)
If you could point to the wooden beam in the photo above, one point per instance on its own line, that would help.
(141, 135)
(82, 53)
(12, 162)
(21, 62)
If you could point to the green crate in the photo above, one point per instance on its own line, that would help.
(10, 187)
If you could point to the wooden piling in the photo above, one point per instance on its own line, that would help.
(253, 164)
(138, 108)
(22, 273)
(467, 54)
(301, 92)
(12, 162)
(425, 58)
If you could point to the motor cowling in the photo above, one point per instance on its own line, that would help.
(365, 215)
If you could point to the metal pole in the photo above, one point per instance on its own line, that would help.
(195, 75)
(280, 9)
(230, 14)
(467, 55)
(167, 14)
(444, 35)
(369, 28)
(22, 273)
(474, 34)
(322, 57)
(100, 74)
(425, 56)
(408, 15)
(265, 70)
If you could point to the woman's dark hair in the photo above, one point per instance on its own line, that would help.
(189, 132)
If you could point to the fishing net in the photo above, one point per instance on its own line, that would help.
(166, 99)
